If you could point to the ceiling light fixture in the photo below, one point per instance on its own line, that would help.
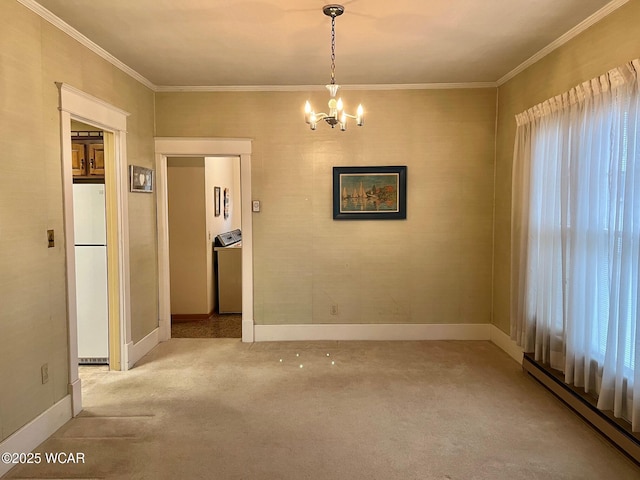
(336, 115)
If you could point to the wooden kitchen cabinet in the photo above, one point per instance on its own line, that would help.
(96, 159)
(87, 154)
(78, 161)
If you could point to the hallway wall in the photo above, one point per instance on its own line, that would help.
(187, 236)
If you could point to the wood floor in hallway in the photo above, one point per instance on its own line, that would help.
(228, 325)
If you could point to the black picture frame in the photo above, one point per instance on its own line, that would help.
(370, 193)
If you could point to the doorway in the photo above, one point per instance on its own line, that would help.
(203, 147)
(76, 105)
(90, 241)
(204, 204)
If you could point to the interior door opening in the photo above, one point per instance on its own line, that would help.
(204, 146)
(90, 243)
(95, 245)
(204, 204)
(76, 105)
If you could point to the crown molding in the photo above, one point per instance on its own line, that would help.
(76, 35)
(574, 32)
(307, 88)
(83, 40)
(73, 33)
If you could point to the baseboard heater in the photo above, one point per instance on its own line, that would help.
(616, 430)
(93, 361)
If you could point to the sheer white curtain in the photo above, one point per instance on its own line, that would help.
(576, 237)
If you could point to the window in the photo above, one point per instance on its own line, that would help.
(576, 237)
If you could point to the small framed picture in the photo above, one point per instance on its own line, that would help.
(368, 193)
(140, 179)
(216, 201)
(226, 203)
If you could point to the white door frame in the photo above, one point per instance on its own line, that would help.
(77, 105)
(203, 147)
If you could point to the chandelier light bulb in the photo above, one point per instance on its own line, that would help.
(307, 112)
(360, 115)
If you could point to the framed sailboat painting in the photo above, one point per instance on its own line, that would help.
(367, 193)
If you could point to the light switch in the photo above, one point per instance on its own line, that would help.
(51, 239)
(256, 205)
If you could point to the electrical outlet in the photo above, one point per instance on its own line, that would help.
(334, 310)
(44, 370)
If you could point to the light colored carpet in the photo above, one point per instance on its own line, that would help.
(221, 409)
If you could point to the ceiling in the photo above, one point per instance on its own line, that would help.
(287, 43)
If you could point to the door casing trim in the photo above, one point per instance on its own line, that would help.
(203, 147)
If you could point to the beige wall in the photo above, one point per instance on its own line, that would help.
(434, 267)
(33, 314)
(187, 236)
(608, 44)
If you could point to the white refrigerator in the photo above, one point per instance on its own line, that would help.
(90, 232)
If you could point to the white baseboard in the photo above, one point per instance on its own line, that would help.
(75, 389)
(135, 351)
(504, 341)
(36, 431)
(403, 331)
(164, 329)
(247, 330)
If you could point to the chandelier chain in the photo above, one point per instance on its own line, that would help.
(333, 49)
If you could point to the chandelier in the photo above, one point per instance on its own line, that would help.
(336, 115)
